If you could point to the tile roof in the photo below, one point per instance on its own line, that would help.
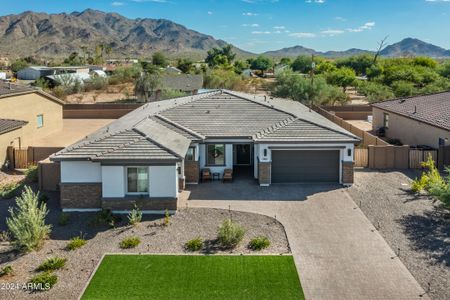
(7, 125)
(10, 90)
(182, 82)
(431, 109)
(168, 127)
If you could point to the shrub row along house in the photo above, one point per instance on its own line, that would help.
(26, 113)
(146, 156)
(420, 120)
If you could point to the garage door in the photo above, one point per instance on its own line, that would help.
(289, 166)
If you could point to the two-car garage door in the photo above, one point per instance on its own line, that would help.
(292, 166)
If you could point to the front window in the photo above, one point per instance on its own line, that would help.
(215, 154)
(386, 120)
(137, 179)
(40, 121)
(190, 155)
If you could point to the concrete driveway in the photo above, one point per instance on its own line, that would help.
(338, 252)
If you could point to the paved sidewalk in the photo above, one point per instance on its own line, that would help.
(337, 251)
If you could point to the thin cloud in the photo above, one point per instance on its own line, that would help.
(249, 14)
(261, 32)
(366, 26)
(303, 35)
(279, 27)
(116, 3)
(315, 1)
(332, 32)
(250, 25)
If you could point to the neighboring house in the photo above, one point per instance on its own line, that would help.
(172, 70)
(26, 113)
(145, 157)
(421, 120)
(186, 83)
(34, 73)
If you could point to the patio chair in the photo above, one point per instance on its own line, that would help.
(206, 174)
(227, 175)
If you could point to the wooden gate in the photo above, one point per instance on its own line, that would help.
(20, 158)
(417, 156)
(361, 157)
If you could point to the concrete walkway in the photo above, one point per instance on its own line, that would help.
(337, 251)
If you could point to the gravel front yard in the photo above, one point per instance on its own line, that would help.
(155, 238)
(415, 225)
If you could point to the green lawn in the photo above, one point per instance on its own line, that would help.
(195, 277)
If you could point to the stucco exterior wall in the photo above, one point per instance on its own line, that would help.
(9, 139)
(408, 131)
(113, 181)
(80, 172)
(27, 107)
(163, 181)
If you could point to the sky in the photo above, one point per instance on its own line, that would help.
(262, 25)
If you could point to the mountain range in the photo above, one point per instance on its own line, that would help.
(57, 35)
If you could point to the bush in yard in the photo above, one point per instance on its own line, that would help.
(129, 242)
(194, 244)
(27, 222)
(166, 218)
(53, 263)
(75, 243)
(418, 185)
(44, 281)
(230, 234)
(5, 236)
(31, 173)
(8, 270)
(10, 189)
(63, 219)
(135, 216)
(105, 217)
(259, 243)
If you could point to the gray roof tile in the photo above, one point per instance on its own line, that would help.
(7, 125)
(431, 109)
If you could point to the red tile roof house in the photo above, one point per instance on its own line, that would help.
(421, 120)
(145, 157)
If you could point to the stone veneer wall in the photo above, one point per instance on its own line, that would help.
(191, 171)
(264, 173)
(129, 203)
(347, 173)
(81, 195)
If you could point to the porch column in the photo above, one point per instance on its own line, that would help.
(264, 173)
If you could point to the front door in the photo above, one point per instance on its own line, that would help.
(243, 154)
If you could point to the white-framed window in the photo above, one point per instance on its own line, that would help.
(386, 120)
(190, 155)
(40, 121)
(137, 180)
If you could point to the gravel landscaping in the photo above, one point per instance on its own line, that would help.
(154, 236)
(414, 226)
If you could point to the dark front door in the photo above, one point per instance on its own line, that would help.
(290, 166)
(243, 154)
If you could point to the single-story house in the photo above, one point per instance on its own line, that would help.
(148, 155)
(420, 120)
(26, 113)
(186, 83)
(34, 72)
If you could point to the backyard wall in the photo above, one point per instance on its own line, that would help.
(98, 110)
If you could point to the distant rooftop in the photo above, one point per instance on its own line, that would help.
(7, 125)
(432, 109)
(7, 89)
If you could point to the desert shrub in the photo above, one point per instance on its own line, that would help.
(5, 236)
(230, 234)
(75, 243)
(59, 92)
(418, 185)
(63, 219)
(445, 192)
(44, 281)
(27, 222)
(96, 83)
(10, 189)
(7, 270)
(194, 244)
(169, 94)
(129, 242)
(53, 263)
(166, 218)
(105, 217)
(135, 216)
(259, 243)
(435, 184)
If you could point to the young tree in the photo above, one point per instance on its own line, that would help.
(261, 63)
(159, 59)
(146, 85)
(27, 221)
(342, 77)
(302, 64)
(19, 65)
(186, 65)
(286, 61)
(220, 57)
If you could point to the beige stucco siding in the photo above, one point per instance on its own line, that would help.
(27, 107)
(9, 139)
(409, 131)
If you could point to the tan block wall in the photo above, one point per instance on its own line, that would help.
(27, 107)
(347, 173)
(191, 171)
(81, 195)
(409, 132)
(264, 173)
(142, 203)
